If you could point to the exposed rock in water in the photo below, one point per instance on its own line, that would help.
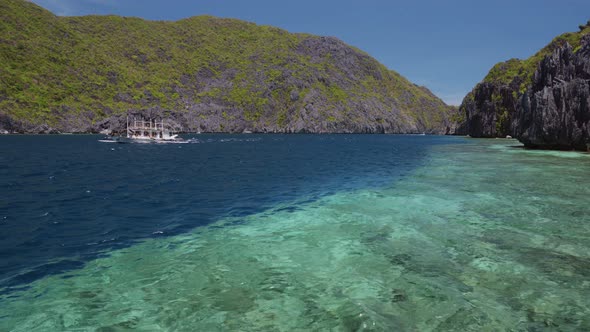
(555, 112)
(488, 109)
(542, 101)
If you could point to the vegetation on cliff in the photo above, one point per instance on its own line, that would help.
(507, 72)
(210, 74)
(489, 109)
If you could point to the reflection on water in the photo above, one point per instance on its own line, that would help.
(481, 238)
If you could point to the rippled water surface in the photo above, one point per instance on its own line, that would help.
(293, 233)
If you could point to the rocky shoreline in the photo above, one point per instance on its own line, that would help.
(186, 122)
(553, 112)
(203, 74)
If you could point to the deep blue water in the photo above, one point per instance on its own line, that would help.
(69, 199)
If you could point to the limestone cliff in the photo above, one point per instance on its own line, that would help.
(555, 111)
(542, 101)
(84, 74)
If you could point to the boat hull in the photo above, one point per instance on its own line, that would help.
(130, 140)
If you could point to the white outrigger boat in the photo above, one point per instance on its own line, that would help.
(142, 131)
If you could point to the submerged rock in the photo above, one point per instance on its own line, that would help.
(235, 299)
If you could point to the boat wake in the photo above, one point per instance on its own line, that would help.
(146, 141)
(123, 140)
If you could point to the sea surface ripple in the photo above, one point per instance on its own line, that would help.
(69, 199)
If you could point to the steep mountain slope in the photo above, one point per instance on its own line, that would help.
(555, 111)
(80, 74)
(491, 108)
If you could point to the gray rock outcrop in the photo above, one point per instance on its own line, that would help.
(488, 110)
(545, 108)
(555, 112)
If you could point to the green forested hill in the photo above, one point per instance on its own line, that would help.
(79, 74)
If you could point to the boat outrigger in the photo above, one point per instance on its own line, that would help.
(146, 131)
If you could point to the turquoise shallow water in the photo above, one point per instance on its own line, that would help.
(483, 236)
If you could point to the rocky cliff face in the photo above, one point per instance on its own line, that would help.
(555, 111)
(488, 110)
(542, 101)
(84, 74)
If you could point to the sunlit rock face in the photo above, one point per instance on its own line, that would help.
(555, 112)
(543, 100)
(203, 74)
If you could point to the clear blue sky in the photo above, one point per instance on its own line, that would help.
(447, 46)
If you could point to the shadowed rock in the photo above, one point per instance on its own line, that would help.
(555, 111)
